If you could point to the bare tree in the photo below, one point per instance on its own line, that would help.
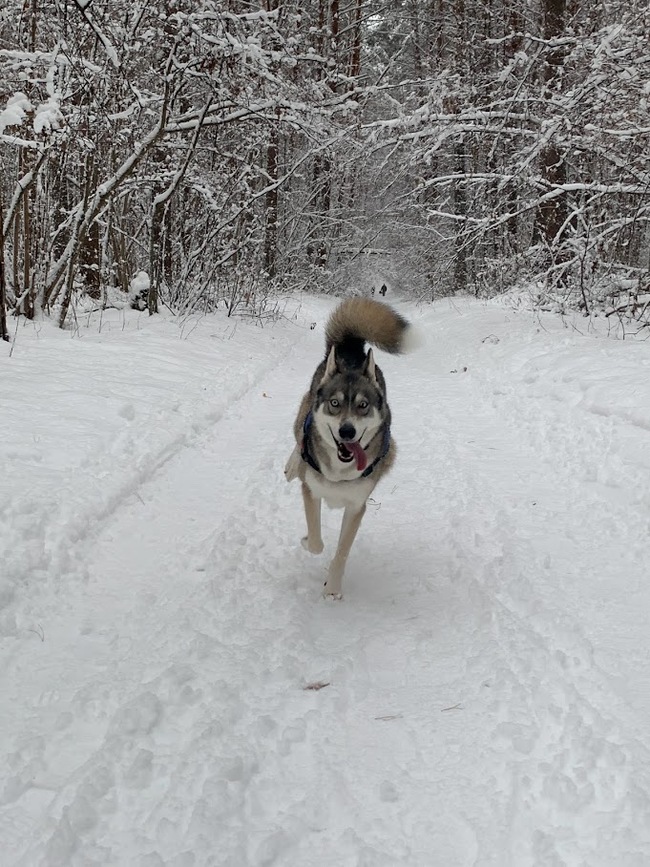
(470, 145)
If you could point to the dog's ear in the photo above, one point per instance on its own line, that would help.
(369, 366)
(331, 366)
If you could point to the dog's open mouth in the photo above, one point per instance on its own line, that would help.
(349, 452)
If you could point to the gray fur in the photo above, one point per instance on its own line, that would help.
(347, 394)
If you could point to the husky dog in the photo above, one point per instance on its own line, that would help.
(342, 430)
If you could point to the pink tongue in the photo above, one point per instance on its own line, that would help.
(359, 454)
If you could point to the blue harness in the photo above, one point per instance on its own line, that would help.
(309, 459)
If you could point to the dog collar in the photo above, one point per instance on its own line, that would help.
(309, 459)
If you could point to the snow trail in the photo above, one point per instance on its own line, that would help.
(474, 707)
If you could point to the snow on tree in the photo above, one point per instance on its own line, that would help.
(231, 150)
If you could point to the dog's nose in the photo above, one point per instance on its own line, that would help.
(347, 431)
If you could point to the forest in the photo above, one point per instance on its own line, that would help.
(203, 154)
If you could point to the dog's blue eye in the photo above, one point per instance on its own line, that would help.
(363, 404)
(334, 402)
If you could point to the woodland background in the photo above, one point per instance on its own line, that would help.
(234, 151)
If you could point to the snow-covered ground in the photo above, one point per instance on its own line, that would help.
(485, 682)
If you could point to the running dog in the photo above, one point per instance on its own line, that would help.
(342, 430)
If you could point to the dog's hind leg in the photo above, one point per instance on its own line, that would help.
(349, 527)
(313, 541)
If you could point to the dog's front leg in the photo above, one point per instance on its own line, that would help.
(349, 527)
(313, 541)
(293, 465)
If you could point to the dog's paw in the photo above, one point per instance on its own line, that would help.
(332, 587)
(312, 547)
(331, 597)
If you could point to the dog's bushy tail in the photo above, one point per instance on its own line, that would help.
(357, 321)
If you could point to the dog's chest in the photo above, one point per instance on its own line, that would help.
(339, 495)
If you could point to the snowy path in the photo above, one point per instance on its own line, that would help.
(487, 671)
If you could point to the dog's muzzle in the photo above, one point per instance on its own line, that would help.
(350, 451)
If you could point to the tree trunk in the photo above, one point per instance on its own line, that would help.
(90, 246)
(459, 160)
(460, 208)
(355, 53)
(157, 216)
(26, 306)
(552, 213)
(271, 203)
(4, 334)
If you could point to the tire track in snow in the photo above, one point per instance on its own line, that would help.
(256, 753)
(81, 530)
(199, 727)
(573, 775)
(200, 745)
(100, 655)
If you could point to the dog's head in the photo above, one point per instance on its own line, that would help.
(350, 408)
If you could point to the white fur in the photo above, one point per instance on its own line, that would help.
(340, 495)
(412, 339)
